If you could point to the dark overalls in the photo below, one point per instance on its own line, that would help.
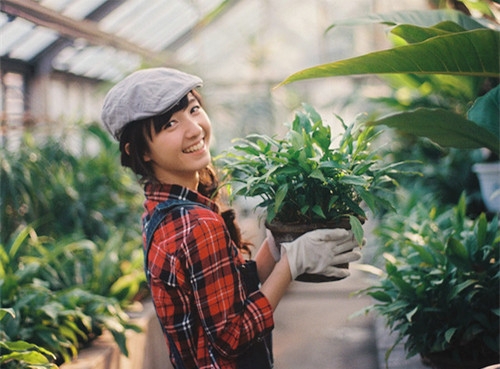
(259, 355)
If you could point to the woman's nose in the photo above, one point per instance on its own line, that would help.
(194, 128)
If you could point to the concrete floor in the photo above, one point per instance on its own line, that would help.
(313, 328)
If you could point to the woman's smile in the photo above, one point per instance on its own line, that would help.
(200, 145)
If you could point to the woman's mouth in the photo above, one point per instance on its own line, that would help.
(200, 145)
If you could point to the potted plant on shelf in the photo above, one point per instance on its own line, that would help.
(439, 291)
(304, 183)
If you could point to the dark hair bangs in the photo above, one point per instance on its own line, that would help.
(159, 120)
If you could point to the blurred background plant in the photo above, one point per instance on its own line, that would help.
(70, 250)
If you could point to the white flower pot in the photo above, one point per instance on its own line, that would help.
(489, 182)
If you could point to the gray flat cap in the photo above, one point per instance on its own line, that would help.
(143, 94)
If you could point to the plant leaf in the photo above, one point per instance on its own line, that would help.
(380, 296)
(448, 335)
(357, 229)
(410, 314)
(457, 253)
(423, 18)
(473, 53)
(316, 173)
(443, 127)
(486, 111)
(280, 196)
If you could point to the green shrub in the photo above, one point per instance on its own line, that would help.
(48, 307)
(66, 190)
(440, 289)
(70, 246)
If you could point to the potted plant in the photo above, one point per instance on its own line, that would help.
(439, 291)
(444, 37)
(304, 183)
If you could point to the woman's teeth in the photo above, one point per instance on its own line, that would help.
(196, 147)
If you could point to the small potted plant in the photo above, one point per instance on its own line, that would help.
(439, 292)
(304, 183)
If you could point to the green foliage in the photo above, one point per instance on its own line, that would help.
(66, 191)
(24, 355)
(445, 173)
(457, 54)
(440, 290)
(70, 251)
(301, 178)
(443, 127)
(46, 304)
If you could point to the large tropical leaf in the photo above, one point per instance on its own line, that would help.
(473, 53)
(443, 127)
(423, 18)
(486, 111)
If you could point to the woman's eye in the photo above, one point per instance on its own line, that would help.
(195, 108)
(167, 125)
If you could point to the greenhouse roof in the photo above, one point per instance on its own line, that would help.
(100, 39)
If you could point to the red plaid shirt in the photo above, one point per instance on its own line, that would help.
(196, 285)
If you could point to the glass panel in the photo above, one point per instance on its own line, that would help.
(79, 9)
(13, 33)
(38, 40)
(57, 5)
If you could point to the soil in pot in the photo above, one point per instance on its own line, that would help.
(442, 360)
(287, 232)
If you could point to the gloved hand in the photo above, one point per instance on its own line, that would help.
(320, 251)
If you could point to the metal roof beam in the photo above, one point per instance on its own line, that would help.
(71, 28)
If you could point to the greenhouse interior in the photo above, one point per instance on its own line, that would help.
(379, 115)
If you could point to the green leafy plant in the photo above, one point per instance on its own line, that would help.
(43, 311)
(24, 355)
(67, 188)
(86, 213)
(439, 292)
(70, 247)
(455, 51)
(302, 178)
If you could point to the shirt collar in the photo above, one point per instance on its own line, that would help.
(158, 192)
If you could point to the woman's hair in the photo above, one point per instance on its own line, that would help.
(137, 134)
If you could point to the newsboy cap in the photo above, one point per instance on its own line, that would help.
(143, 94)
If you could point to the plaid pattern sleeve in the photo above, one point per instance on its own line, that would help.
(198, 291)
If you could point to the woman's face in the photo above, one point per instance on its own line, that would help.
(180, 149)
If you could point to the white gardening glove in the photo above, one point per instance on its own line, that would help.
(319, 251)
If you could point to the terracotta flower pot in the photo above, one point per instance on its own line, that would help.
(286, 232)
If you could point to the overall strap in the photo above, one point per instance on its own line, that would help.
(150, 224)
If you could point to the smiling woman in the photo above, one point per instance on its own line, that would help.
(173, 148)
(215, 307)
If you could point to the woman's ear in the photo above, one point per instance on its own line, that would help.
(127, 148)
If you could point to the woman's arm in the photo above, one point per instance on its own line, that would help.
(277, 282)
(265, 261)
(275, 276)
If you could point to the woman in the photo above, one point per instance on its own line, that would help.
(215, 307)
